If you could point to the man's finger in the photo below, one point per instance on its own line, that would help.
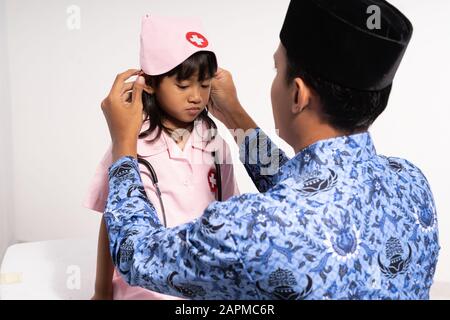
(220, 73)
(210, 103)
(128, 96)
(128, 86)
(121, 78)
(137, 90)
(105, 103)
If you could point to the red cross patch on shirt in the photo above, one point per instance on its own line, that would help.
(197, 39)
(212, 180)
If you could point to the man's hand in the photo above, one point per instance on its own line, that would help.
(224, 103)
(123, 112)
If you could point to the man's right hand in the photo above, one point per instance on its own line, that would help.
(224, 103)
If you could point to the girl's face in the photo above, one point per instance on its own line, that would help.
(183, 100)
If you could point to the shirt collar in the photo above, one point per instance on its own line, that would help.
(198, 139)
(201, 135)
(334, 152)
(149, 145)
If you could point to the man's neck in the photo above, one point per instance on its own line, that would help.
(308, 136)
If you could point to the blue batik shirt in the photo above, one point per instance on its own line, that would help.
(337, 221)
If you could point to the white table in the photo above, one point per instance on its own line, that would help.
(57, 269)
(65, 269)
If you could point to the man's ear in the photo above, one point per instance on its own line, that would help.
(302, 96)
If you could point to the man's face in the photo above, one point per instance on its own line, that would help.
(281, 94)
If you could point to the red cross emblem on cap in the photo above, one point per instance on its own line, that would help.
(197, 39)
(212, 180)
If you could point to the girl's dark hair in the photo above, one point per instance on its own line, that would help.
(203, 62)
(346, 109)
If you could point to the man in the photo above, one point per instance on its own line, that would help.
(337, 221)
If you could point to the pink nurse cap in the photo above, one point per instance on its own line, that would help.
(168, 42)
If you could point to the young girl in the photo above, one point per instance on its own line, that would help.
(185, 165)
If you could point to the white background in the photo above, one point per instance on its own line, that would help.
(52, 79)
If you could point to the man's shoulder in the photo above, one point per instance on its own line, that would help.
(400, 165)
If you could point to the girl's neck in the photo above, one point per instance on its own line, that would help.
(179, 131)
(174, 124)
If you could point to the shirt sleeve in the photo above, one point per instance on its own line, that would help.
(262, 159)
(98, 189)
(198, 260)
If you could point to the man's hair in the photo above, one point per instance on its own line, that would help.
(344, 108)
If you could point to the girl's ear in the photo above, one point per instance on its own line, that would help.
(149, 89)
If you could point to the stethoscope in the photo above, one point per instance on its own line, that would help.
(154, 179)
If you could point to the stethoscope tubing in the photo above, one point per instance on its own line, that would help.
(154, 178)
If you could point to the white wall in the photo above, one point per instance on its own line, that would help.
(415, 125)
(59, 76)
(5, 142)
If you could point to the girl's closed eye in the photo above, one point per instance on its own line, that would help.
(185, 86)
(182, 86)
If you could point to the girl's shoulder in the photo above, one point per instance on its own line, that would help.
(152, 144)
(202, 140)
(206, 138)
